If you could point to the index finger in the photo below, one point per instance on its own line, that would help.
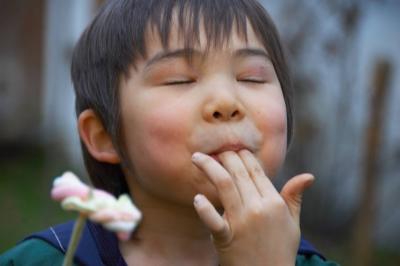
(221, 179)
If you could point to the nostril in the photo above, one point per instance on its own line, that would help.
(217, 115)
(235, 113)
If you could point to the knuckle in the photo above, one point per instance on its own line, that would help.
(222, 236)
(240, 173)
(224, 182)
(220, 230)
(257, 211)
(257, 171)
(278, 203)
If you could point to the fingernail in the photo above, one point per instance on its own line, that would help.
(196, 156)
(310, 181)
(198, 199)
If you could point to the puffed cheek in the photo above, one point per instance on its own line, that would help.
(162, 137)
(273, 150)
(272, 158)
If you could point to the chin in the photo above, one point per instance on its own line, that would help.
(202, 185)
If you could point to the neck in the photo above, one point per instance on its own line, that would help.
(170, 234)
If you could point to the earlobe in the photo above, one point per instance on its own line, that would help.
(96, 139)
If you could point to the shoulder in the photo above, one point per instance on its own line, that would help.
(32, 252)
(47, 247)
(308, 255)
(313, 260)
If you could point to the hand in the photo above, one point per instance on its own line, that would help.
(260, 226)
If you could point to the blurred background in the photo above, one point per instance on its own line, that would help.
(345, 59)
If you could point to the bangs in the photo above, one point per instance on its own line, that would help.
(217, 17)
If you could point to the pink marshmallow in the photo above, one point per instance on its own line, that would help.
(61, 192)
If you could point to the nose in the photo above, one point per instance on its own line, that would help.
(223, 109)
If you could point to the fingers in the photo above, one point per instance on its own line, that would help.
(261, 181)
(241, 181)
(226, 188)
(212, 219)
(236, 168)
(239, 170)
(292, 193)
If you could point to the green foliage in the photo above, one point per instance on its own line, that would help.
(25, 183)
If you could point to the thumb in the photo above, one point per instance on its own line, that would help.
(292, 193)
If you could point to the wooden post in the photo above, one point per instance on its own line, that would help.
(363, 246)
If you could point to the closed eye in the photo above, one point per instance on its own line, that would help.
(250, 80)
(178, 82)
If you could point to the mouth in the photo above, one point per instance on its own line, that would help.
(235, 147)
(229, 147)
(216, 140)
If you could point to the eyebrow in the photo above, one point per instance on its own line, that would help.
(252, 52)
(184, 52)
(179, 53)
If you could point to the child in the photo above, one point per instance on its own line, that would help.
(186, 105)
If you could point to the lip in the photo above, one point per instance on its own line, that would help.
(228, 147)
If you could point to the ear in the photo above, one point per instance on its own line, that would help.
(97, 140)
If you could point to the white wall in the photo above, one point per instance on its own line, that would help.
(65, 21)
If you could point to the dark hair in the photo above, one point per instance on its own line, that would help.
(115, 40)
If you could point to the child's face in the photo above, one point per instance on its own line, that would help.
(228, 99)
